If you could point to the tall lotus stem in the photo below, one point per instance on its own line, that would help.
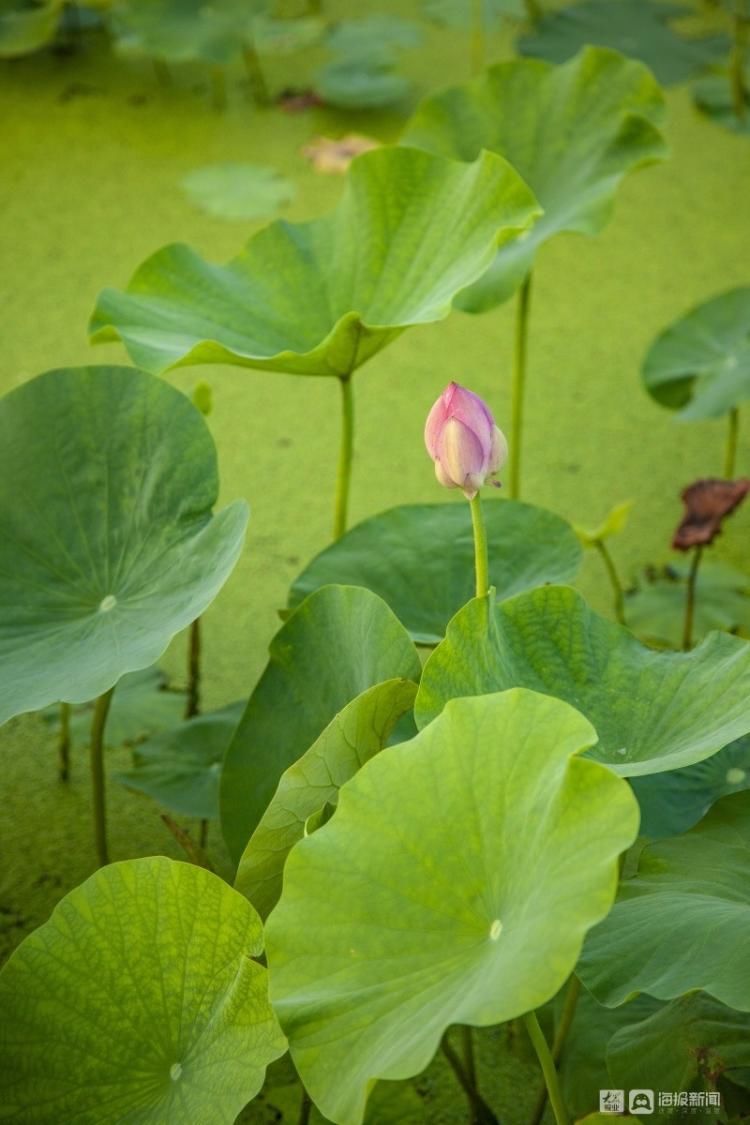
(614, 578)
(518, 387)
(737, 65)
(561, 1033)
(478, 51)
(481, 1114)
(192, 703)
(687, 632)
(255, 76)
(549, 1070)
(64, 744)
(346, 449)
(98, 726)
(730, 449)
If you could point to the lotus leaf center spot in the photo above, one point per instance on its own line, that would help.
(175, 1071)
(622, 750)
(107, 603)
(736, 775)
(496, 929)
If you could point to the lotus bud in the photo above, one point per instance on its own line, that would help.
(463, 440)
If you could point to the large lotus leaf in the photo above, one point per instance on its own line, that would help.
(573, 132)
(320, 298)
(139, 1000)
(339, 642)
(454, 884)
(653, 711)
(26, 26)
(184, 30)
(640, 28)
(238, 191)
(108, 546)
(143, 704)
(700, 365)
(181, 768)
(655, 609)
(673, 802)
(687, 1045)
(420, 559)
(681, 923)
(356, 734)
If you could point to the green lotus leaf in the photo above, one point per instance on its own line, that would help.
(354, 85)
(143, 704)
(139, 1000)
(715, 97)
(282, 37)
(700, 365)
(311, 784)
(639, 28)
(177, 31)
(108, 545)
(652, 711)
(419, 558)
(573, 132)
(339, 642)
(366, 38)
(681, 924)
(673, 802)
(655, 609)
(26, 26)
(454, 884)
(181, 768)
(320, 298)
(687, 1045)
(462, 13)
(238, 191)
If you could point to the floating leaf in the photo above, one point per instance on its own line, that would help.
(334, 156)
(138, 1000)
(713, 96)
(320, 298)
(108, 545)
(373, 37)
(573, 132)
(283, 37)
(359, 731)
(339, 642)
(351, 85)
(142, 705)
(681, 924)
(640, 28)
(25, 26)
(700, 365)
(238, 191)
(178, 31)
(707, 504)
(454, 884)
(652, 711)
(687, 1045)
(655, 610)
(181, 768)
(673, 802)
(613, 524)
(419, 558)
(462, 13)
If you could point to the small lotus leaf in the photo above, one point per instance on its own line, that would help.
(337, 643)
(320, 298)
(700, 365)
(653, 711)
(613, 524)
(454, 884)
(238, 191)
(681, 923)
(177, 31)
(139, 1000)
(181, 768)
(642, 29)
(108, 544)
(420, 559)
(572, 132)
(310, 786)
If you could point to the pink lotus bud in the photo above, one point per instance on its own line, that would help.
(463, 440)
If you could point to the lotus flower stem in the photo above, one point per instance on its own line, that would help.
(478, 46)
(481, 1114)
(256, 77)
(193, 701)
(614, 579)
(518, 387)
(345, 457)
(737, 61)
(548, 1067)
(687, 632)
(98, 726)
(561, 1033)
(730, 449)
(481, 562)
(64, 744)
